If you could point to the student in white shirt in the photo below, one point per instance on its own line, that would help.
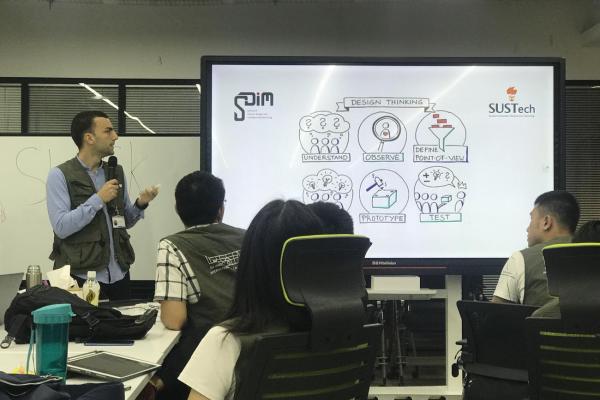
(523, 278)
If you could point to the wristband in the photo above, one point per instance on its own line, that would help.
(140, 207)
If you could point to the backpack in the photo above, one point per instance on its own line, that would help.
(34, 387)
(89, 322)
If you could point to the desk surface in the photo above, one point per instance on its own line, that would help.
(401, 294)
(153, 348)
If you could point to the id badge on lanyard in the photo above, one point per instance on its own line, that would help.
(118, 221)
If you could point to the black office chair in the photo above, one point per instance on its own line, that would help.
(493, 354)
(333, 356)
(573, 272)
(564, 354)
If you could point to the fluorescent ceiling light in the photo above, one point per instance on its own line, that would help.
(98, 96)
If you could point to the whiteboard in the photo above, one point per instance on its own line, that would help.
(432, 161)
(25, 231)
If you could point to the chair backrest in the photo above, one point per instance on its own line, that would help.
(323, 274)
(573, 271)
(333, 357)
(564, 364)
(284, 366)
(495, 335)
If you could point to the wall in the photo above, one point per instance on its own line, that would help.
(83, 39)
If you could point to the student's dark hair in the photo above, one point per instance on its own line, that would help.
(562, 205)
(588, 232)
(334, 218)
(258, 299)
(198, 198)
(82, 123)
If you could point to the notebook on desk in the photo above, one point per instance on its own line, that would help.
(9, 285)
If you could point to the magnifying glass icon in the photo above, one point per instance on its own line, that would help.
(386, 129)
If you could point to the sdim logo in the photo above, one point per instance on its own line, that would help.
(511, 108)
(250, 99)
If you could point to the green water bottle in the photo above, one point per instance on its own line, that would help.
(51, 334)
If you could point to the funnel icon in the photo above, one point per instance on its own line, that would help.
(441, 129)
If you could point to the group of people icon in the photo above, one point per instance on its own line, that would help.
(431, 203)
(324, 146)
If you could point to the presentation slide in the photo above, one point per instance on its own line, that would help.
(432, 161)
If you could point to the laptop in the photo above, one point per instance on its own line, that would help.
(9, 285)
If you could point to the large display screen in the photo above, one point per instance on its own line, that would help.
(438, 161)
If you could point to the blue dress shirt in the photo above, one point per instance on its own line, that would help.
(66, 222)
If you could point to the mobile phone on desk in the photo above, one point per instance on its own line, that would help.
(109, 342)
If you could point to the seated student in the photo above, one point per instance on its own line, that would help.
(334, 218)
(195, 274)
(553, 220)
(587, 233)
(258, 304)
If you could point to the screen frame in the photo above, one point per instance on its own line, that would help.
(401, 266)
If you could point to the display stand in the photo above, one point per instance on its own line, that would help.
(453, 387)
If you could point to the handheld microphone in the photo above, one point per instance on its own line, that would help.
(112, 168)
(111, 173)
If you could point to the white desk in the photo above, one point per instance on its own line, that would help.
(153, 348)
(401, 294)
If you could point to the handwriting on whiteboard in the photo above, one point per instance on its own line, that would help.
(21, 161)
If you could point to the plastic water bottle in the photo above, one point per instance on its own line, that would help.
(91, 289)
(51, 333)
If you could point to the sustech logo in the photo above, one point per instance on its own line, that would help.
(511, 92)
(511, 108)
(251, 99)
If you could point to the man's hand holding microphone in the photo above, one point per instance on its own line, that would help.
(110, 190)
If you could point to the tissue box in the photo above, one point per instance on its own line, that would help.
(395, 283)
(384, 198)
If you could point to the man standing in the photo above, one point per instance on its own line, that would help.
(523, 280)
(90, 214)
(195, 273)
